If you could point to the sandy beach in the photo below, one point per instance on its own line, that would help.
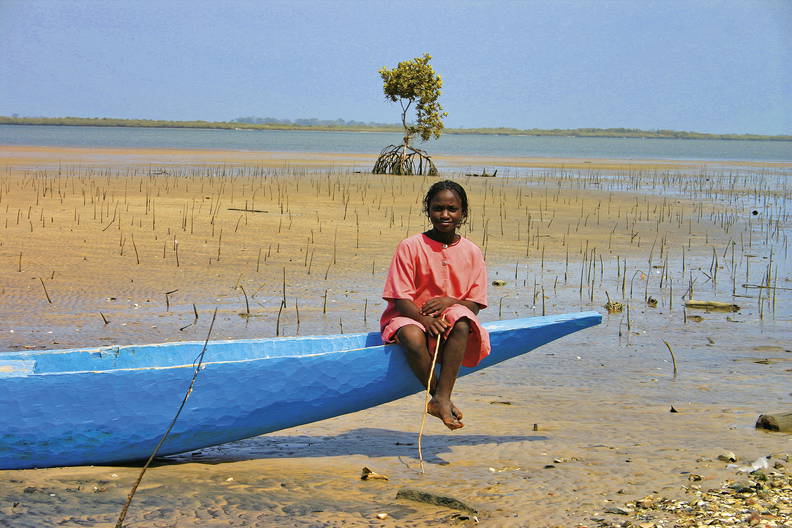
(122, 246)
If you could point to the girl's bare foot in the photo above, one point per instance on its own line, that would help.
(447, 412)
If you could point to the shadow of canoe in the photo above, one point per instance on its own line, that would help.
(371, 442)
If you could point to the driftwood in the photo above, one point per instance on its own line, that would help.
(247, 210)
(368, 474)
(712, 306)
(613, 306)
(483, 174)
(766, 287)
(781, 422)
(436, 500)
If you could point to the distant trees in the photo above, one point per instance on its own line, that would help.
(351, 126)
(412, 82)
(308, 122)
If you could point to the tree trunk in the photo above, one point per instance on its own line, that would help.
(405, 144)
(781, 422)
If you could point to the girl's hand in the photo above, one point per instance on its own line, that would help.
(434, 325)
(434, 307)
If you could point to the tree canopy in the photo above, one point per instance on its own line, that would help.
(415, 82)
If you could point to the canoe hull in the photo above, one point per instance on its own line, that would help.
(110, 408)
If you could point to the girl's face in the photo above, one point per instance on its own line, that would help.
(445, 211)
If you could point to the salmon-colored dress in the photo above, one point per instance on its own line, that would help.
(422, 269)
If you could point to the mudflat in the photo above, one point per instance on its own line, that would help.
(121, 246)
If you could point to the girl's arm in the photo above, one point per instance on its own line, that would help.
(433, 325)
(435, 306)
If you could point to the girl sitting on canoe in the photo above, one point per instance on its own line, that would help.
(436, 285)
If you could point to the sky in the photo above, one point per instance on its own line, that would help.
(706, 66)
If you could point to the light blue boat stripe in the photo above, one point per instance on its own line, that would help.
(11, 368)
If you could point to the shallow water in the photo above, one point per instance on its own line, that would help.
(448, 144)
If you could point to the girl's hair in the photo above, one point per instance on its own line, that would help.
(447, 185)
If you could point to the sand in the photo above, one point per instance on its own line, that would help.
(114, 246)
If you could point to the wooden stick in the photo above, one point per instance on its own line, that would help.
(167, 299)
(45, 290)
(673, 359)
(137, 257)
(426, 401)
(247, 304)
(277, 322)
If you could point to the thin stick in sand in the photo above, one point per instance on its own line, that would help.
(45, 290)
(198, 364)
(426, 401)
(673, 359)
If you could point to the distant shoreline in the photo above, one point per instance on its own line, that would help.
(226, 125)
(31, 156)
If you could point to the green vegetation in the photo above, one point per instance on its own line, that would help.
(412, 82)
(616, 133)
(155, 123)
(311, 122)
(577, 132)
(415, 82)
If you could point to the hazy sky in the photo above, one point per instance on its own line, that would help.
(682, 65)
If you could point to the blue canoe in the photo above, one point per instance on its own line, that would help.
(112, 404)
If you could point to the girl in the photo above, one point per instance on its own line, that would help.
(436, 285)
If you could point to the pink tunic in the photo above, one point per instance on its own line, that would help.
(422, 269)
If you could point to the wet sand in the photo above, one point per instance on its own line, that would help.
(106, 233)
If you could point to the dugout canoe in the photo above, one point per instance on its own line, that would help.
(112, 404)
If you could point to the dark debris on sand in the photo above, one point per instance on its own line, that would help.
(761, 499)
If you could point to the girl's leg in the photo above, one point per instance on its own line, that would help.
(453, 354)
(413, 340)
